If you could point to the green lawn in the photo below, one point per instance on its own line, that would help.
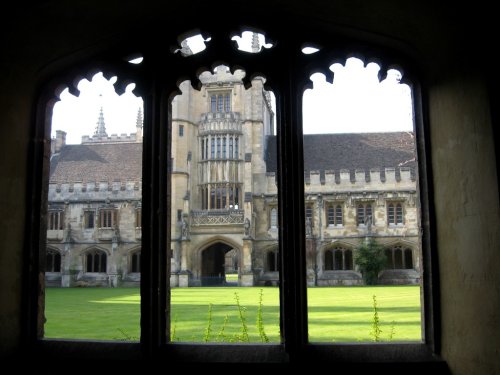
(337, 314)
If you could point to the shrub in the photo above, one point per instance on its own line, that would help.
(370, 259)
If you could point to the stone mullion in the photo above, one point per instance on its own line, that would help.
(209, 146)
(209, 196)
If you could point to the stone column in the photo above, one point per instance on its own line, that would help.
(113, 278)
(209, 194)
(175, 265)
(65, 267)
(310, 261)
(319, 262)
(112, 271)
(246, 274)
(184, 274)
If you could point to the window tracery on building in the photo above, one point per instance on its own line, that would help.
(252, 42)
(399, 258)
(53, 261)
(338, 259)
(135, 261)
(223, 146)
(95, 261)
(271, 260)
(220, 196)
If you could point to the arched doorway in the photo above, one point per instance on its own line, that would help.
(213, 261)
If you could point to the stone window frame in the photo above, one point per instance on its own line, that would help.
(273, 217)
(395, 222)
(291, 211)
(222, 102)
(54, 253)
(333, 250)
(93, 252)
(334, 205)
(86, 213)
(112, 219)
(404, 250)
(223, 146)
(310, 213)
(365, 204)
(134, 253)
(275, 252)
(138, 217)
(55, 219)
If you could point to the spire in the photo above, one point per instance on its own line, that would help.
(255, 43)
(138, 126)
(100, 129)
(138, 122)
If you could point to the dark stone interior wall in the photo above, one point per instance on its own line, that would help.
(453, 46)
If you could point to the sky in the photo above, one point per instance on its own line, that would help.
(355, 102)
(78, 116)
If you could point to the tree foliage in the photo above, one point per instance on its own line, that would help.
(371, 259)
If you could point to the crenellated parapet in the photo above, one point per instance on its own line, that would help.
(354, 180)
(221, 76)
(113, 138)
(95, 190)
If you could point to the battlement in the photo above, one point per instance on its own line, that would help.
(113, 138)
(356, 179)
(221, 76)
(94, 189)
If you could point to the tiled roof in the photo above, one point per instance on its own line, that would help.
(351, 151)
(98, 162)
(123, 161)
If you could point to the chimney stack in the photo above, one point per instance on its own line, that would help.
(59, 142)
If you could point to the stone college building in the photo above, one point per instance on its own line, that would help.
(224, 227)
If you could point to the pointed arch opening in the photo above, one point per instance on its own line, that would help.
(53, 261)
(95, 261)
(213, 264)
(135, 261)
(337, 258)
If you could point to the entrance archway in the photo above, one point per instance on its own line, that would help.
(213, 261)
